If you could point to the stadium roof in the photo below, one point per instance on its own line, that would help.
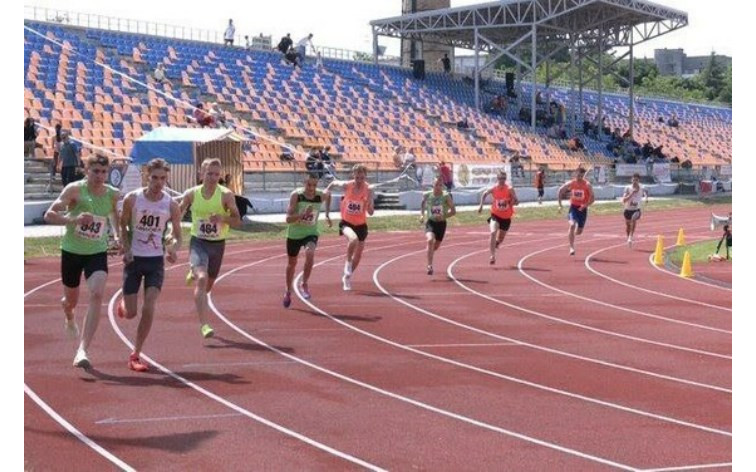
(507, 21)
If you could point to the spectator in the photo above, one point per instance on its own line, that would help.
(514, 161)
(302, 47)
(286, 156)
(285, 43)
(292, 57)
(406, 161)
(30, 137)
(313, 164)
(446, 175)
(159, 73)
(673, 121)
(446, 63)
(325, 158)
(319, 61)
(539, 98)
(202, 117)
(57, 140)
(247, 44)
(228, 36)
(575, 144)
(70, 159)
(463, 124)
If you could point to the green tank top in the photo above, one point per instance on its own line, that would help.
(202, 209)
(92, 238)
(308, 226)
(436, 207)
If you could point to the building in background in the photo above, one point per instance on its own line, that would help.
(676, 62)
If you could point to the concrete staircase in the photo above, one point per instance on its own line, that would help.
(37, 183)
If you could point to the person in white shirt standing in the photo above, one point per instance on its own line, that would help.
(228, 36)
(631, 200)
(144, 221)
(302, 47)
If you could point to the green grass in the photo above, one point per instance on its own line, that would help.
(258, 231)
(699, 252)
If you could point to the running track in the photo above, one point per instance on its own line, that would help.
(541, 362)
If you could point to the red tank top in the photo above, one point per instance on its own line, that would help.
(354, 204)
(580, 192)
(501, 205)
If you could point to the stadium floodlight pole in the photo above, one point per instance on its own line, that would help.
(375, 46)
(477, 73)
(631, 117)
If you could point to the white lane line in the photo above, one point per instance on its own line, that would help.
(402, 398)
(465, 345)
(693, 280)
(573, 323)
(642, 289)
(233, 406)
(532, 278)
(78, 434)
(534, 346)
(157, 419)
(691, 467)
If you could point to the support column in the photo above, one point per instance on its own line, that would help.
(375, 47)
(571, 118)
(600, 80)
(580, 85)
(631, 116)
(477, 73)
(533, 50)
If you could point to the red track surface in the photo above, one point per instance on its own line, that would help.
(561, 363)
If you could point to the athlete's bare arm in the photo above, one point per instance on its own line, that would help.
(291, 212)
(483, 199)
(560, 192)
(452, 208)
(186, 201)
(113, 216)
(513, 198)
(327, 200)
(593, 196)
(370, 207)
(57, 214)
(422, 207)
(128, 208)
(175, 242)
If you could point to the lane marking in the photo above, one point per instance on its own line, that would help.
(166, 418)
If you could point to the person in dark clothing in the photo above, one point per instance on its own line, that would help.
(30, 137)
(242, 203)
(57, 141)
(285, 43)
(314, 164)
(69, 158)
(446, 63)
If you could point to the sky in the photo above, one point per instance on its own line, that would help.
(345, 23)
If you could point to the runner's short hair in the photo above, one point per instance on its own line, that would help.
(158, 163)
(211, 161)
(636, 175)
(359, 168)
(98, 159)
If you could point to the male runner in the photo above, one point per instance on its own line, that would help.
(356, 204)
(581, 197)
(436, 207)
(85, 207)
(213, 212)
(504, 199)
(144, 220)
(303, 231)
(631, 200)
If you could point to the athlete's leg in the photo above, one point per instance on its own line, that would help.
(96, 286)
(309, 261)
(493, 226)
(357, 257)
(431, 244)
(571, 236)
(200, 292)
(130, 305)
(145, 323)
(291, 266)
(69, 301)
(352, 242)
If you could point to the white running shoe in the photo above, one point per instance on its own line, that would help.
(72, 330)
(347, 269)
(630, 242)
(346, 280)
(572, 251)
(81, 360)
(430, 270)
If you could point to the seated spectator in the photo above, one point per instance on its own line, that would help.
(286, 156)
(463, 124)
(313, 164)
(673, 121)
(675, 160)
(514, 161)
(159, 73)
(202, 117)
(539, 98)
(292, 57)
(574, 144)
(686, 164)
(325, 158)
(557, 132)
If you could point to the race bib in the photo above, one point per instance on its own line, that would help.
(92, 231)
(578, 194)
(307, 218)
(353, 207)
(633, 204)
(502, 204)
(208, 230)
(149, 223)
(437, 211)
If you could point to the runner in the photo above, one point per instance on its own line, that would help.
(632, 198)
(85, 208)
(302, 217)
(502, 210)
(144, 220)
(436, 207)
(581, 197)
(213, 211)
(356, 204)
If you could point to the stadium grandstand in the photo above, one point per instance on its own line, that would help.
(98, 83)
